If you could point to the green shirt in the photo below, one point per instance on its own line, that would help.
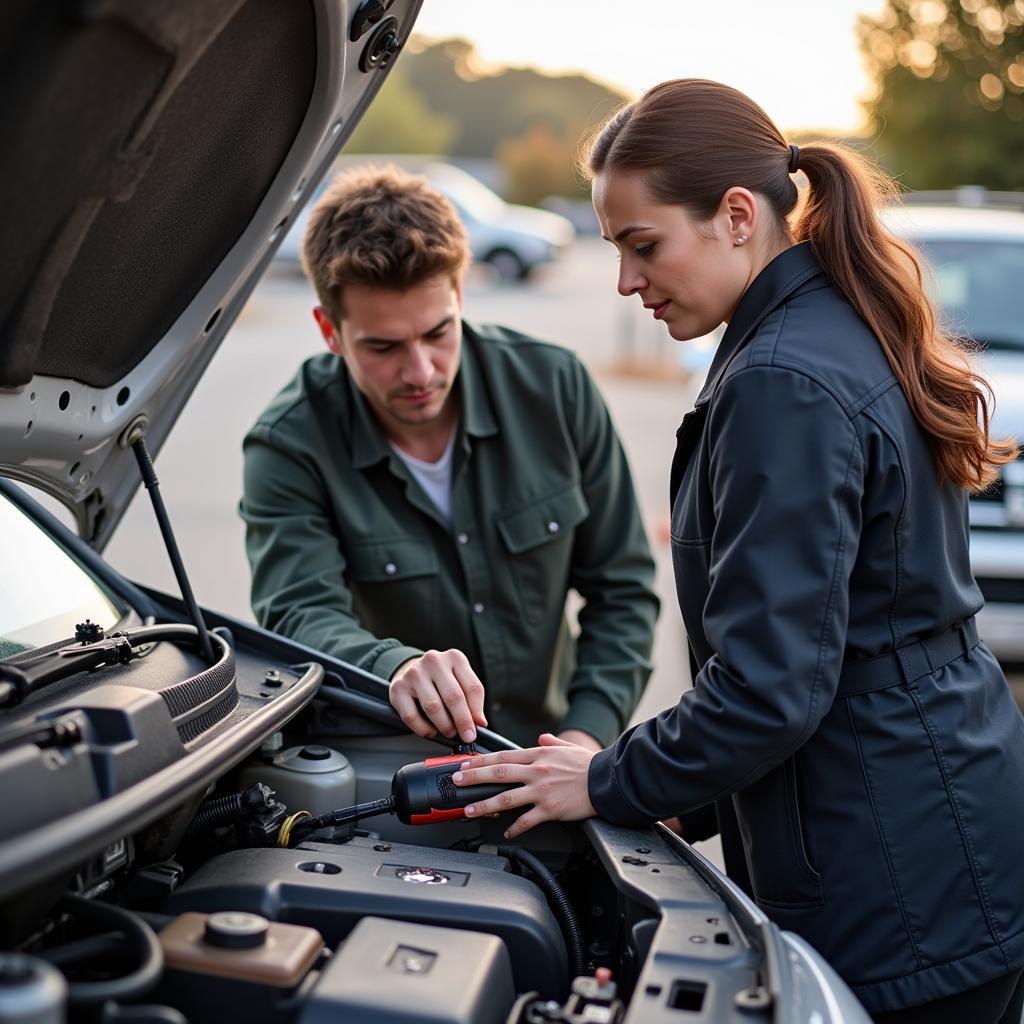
(349, 555)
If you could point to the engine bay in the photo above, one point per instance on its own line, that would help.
(148, 871)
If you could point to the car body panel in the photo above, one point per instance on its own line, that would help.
(77, 426)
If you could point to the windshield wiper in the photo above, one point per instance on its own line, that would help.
(27, 675)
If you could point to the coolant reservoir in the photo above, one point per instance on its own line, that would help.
(312, 778)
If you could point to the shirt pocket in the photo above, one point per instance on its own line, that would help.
(395, 587)
(539, 541)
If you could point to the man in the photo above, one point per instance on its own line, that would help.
(420, 499)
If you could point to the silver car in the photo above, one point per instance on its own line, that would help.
(976, 273)
(512, 240)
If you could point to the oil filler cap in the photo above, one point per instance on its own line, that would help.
(235, 929)
(315, 753)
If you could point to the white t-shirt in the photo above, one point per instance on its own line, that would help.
(434, 477)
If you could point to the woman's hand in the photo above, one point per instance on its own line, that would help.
(553, 778)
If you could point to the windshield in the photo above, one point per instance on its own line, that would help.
(978, 287)
(45, 592)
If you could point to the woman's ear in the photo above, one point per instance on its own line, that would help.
(739, 211)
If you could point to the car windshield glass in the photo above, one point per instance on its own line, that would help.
(978, 286)
(466, 192)
(46, 592)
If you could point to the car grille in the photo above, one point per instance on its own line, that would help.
(1001, 505)
(1001, 590)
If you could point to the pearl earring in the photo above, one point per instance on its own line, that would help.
(741, 240)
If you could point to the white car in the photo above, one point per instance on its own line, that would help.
(975, 258)
(513, 240)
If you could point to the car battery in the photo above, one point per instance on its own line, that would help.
(392, 970)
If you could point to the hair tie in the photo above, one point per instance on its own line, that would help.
(794, 159)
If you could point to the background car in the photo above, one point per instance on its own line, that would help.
(975, 254)
(512, 240)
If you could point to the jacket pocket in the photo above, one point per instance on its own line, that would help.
(539, 541)
(770, 820)
(395, 588)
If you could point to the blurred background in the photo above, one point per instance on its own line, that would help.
(491, 101)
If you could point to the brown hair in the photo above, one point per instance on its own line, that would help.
(384, 228)
(695, 139)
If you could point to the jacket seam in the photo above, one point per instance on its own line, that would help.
(931, 967)
(895, 634)
(983, 897)
(850, 409)
(834, 592)
(881, 836)
(768, 343)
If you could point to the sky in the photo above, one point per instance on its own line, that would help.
(797, 58)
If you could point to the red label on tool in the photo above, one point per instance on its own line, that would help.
(428, 819)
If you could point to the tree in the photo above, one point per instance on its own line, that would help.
(399, 121)
(540, 162)
(490, 106)
(949, 102)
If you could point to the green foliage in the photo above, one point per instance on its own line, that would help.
(438, 99)
(540, 162)
(399, 121)
(949, 102)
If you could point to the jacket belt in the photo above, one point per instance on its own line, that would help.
(907, 664)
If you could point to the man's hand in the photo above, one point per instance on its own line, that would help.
(581, 739)
(553, 778)
(439, 692)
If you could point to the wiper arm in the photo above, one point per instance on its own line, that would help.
(26, 676)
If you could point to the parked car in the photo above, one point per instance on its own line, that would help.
(160, 764)
(512, 240)
(975, 254)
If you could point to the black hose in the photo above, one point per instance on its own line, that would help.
(138, 935)
(559, 902)
(226, 810)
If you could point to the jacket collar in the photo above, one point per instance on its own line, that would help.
(769, 290)
(369, 443)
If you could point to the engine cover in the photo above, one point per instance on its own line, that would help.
(332, 888)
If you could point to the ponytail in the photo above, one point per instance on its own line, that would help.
(881, 278)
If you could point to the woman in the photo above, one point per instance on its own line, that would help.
(869, 744)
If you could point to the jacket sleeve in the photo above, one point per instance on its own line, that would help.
(613, 571)
(298, 566)
(786, 476)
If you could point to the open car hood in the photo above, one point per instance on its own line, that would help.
(158, 151)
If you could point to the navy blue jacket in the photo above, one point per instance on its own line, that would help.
(870, 745)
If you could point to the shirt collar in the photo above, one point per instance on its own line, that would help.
(776, 282)
(369, 443)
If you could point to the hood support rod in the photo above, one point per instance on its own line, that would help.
(152, 485)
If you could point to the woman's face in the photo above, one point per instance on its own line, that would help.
(689, 274)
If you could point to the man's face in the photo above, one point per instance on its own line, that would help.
(402, 349)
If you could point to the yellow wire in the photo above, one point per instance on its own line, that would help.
(285, 834)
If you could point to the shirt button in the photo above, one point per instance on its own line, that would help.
(390, 569)
(553, 527)
(496, 705)
(463, 538)
(478, 607)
